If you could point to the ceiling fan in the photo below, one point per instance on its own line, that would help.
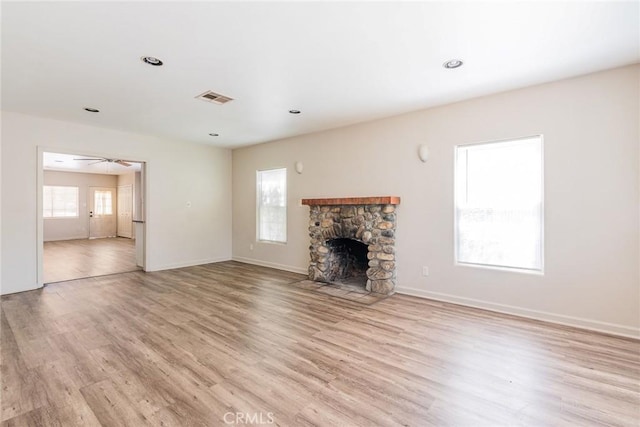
(103, 159)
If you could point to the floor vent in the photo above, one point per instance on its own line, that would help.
(216, 98)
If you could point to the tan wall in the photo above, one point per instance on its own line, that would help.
(126, 178)
(74, 228)
(591, 137)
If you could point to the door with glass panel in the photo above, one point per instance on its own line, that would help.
(102, 212)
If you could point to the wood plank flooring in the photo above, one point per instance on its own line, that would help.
(77, 259)
(233, 344)
(351, 293)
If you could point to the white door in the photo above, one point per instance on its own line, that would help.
(102, 215)
(125, 211)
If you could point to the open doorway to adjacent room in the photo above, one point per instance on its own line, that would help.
(92, 216)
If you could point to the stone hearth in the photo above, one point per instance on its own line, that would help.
(368, 220)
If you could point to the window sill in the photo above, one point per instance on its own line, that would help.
(271, 242)
(60, 217)
(500, 268)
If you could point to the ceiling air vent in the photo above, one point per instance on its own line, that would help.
(216, 98)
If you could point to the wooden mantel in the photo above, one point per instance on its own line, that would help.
(379, 200)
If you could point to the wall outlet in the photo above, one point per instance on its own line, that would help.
(425, 271)
(250, 246)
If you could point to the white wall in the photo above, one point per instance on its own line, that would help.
(177, 172)
(590, 127)
(74, 228)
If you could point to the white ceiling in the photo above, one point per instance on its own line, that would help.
(70, 163)
(338, 62)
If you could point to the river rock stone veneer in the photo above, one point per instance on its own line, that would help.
(370, 220)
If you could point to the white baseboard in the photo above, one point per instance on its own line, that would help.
(186, 264)
(4, 291)
(578, 322)
(277, 266)
(62, 239)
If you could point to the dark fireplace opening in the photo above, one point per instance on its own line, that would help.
(347, 262)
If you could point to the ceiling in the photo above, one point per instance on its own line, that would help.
(70, 163)
(338, 62)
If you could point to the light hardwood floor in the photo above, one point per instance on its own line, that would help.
(187, 346)
(77, 259)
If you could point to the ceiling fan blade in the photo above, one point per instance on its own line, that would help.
(99, 161)
(123, 163)
(89, 159)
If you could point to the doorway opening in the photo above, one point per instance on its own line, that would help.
(92, 212)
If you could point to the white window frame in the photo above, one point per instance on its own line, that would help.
(457, 185)
(259, 205)
(52, 216)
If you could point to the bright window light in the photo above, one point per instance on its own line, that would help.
(102, 202)
(499, 204)
(60, 201)
(272, 205)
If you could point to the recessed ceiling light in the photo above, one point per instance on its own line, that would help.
(214, 134)
(91, 110)
(453, 63)
(151, 61)
(294, 111)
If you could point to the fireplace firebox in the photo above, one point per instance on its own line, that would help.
(347, 261)
(352, 241)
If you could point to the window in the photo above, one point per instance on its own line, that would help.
(272, 205)
(60, 202)
(102, 204)
(498, 204)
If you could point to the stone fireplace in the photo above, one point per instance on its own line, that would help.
(353, 241)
